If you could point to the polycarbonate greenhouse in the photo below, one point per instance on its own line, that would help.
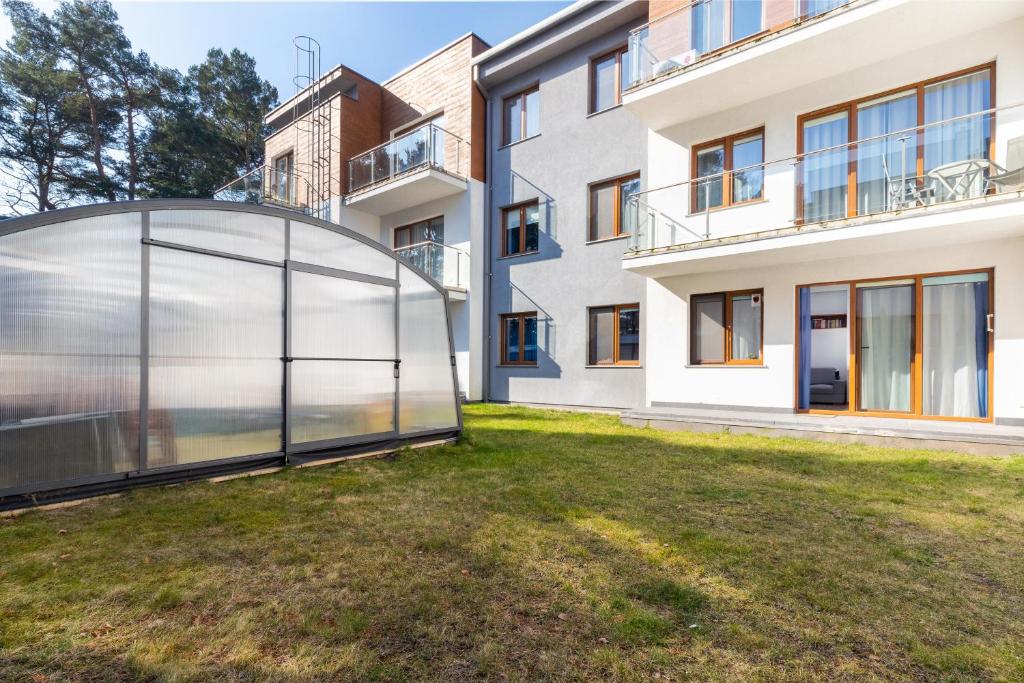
(162, 340)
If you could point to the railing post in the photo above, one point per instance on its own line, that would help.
(707, 210)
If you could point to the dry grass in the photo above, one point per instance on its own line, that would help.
(545, 546)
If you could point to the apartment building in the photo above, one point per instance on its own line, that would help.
(773, 206)
(401, 162)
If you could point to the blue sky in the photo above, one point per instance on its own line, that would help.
(375, 39)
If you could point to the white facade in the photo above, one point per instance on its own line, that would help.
(850, 56)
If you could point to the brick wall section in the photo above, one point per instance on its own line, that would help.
(779, 13)
(442, 83)
(659, 8)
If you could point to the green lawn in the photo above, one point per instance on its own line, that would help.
(547, 545)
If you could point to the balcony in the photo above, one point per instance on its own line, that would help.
(265, 185)
(447, 265)
(710, 56)
(425, 164)
(937, 184)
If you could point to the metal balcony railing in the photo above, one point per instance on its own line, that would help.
(429, 146)
(448, 265)
(266, 185)
(939, 163)
(688, 34)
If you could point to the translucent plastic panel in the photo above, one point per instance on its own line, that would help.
(338, 318)
(215, 383)
(341, 399)
(323, 247)
(69, 347)
(233, 232)
(426, 384)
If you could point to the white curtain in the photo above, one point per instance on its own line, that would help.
(886, 332)
(963, 139)
(746, 328)
(889, 158)
(824, 174)
(950, 350)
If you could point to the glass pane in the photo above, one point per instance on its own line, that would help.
(708, 26)
(322, 247)
(337, 318)
(746, 327)
(627, 71)
(341, 399)
(746, 18)
(602, 204)
(707, 336)
(69, 350)
(747, 185)
(949, 147)
(233, 232)
(512, 231)
(514, 119)
(885, 318)
(825, 173)
(532, 227)
(629, 334)
(710, 161)
(215, 358)
(886, 167)
(602, 336)
(813, 8)
(627, 189)
(532, 113)
(956, 347)
(512, 340)
(530, 339)
(604, 83)
(426, 388)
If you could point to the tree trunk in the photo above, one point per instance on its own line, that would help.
(97, 144)
(133, 160)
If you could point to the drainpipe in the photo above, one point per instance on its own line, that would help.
(485, 359)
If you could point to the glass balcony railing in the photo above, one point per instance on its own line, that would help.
(939, 163)
(266, 185)
(429, 146)
(446, 264)
(690, 33)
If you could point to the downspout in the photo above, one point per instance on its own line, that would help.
(485, 357)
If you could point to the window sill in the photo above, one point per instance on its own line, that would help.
(607, 109)
(738, 205)
(517, 365)
(609, 239)
(719, 366)
(525, 253)
(519, 142)
(620, 366)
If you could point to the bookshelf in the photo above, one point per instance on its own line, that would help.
(828, 322)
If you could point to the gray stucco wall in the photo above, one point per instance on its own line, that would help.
(572, 151)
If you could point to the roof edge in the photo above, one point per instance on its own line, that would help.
(538, 28)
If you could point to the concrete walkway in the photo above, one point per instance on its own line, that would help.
(965, 437)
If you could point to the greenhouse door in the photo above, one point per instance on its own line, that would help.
(341, 358)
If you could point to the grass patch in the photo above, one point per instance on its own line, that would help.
(544, 546)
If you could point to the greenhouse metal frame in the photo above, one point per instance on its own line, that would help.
(261, 337)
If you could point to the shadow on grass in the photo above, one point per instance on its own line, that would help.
(548, 545)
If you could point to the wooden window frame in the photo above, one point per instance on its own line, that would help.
(521, 317)
(616, 310)
(727, 171)
(917, 359)
(618, 53)
(727, 325)
(734, 42)
(617, 183)
(506, 129)
(521, 207)
(410, 226)
(850, 108)
(289, 172)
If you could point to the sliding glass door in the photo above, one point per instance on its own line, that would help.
(885, 325)
(922, 346)
(956, 329)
